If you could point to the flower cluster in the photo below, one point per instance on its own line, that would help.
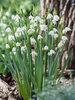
(33, 49)
(15, 18)
(33, 23)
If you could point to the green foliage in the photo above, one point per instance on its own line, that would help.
(57, 92)
(32, 57)
(3, 68)
(13, 7)
(16, 5)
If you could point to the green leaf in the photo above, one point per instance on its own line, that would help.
(65, 65)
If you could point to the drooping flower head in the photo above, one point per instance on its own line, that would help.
(51, 52)
(49, 16)
(39, 37)
(46, 48)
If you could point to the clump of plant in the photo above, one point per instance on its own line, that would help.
(33, 51)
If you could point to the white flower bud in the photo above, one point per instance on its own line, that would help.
(17, 44)
(46, 48)
(7, 46)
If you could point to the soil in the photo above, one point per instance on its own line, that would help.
(8, 88)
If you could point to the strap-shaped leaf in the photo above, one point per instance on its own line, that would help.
(65, 65)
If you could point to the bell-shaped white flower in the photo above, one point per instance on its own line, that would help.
(46, 48)
(34, 53)
(23, 28)
(30, 17)
(31, 26)
(16, 34)
(33, 41)
(14, 53)
(35, 24)
(49, 16)
(60, 44)
(41, 21)
(56, 18)
(19, 30)
(32, 21)
(30, 31)
(55, 30)
(3, 34)
(55, 35)
(51, 33)
(39, 37)
(13, 17)
(51, 52)
(3, 25)
(11, 37)
(54, 22)
(37, 18)
(14, 49)
(7, 14)
(17, 44)
(8, 30)
(22, 48)
(4, 18)
(17, 18)
(64, 38)
(66, 29)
